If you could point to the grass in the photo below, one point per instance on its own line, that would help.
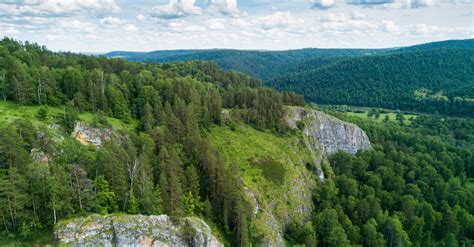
(392, 116)
(9, 112)
(470, 184)
(362, 112)
(248, 146)
(273, 166)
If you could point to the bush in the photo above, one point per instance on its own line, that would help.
(42, 113)
(272, 170)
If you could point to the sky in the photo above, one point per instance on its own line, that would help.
(146, 25)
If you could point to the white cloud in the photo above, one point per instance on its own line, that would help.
(333, 18)
(77, 26)
(323, 4)
(423, 29)
(130, 28)
(390, 26)
(62, 7)
(226, 7)
(216, 24)
(357, 15)
(11, 31)
(176, 9)
(278, 20)
(182, 26)
(141, 18)
(111, 21)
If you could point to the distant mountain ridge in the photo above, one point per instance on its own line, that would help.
(260, 64)
(268, 64)
(431, 77)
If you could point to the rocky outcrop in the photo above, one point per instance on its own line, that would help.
(324, 134)
(88, 135)
(135, 230)
(327, 133)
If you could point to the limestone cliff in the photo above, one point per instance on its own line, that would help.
(324, 134)
(327, 133)
(135, 230)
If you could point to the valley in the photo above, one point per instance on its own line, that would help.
(105, 151)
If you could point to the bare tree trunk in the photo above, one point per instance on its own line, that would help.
(5, 223)
(3, 87)
(40, 89)
(54, 209)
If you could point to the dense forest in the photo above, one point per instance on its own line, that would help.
(261, 64)
(432, 77)
(427, 81)
(163, 166)
(411, 190)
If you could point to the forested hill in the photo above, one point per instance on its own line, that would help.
(269, 64)
(160, 164)
(439, 80)
(448, 44)
(260, 64)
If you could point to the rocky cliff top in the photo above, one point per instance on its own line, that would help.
(135, 230)
(89, 135)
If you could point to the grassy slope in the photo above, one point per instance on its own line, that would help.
(245, 145)
(10, 111)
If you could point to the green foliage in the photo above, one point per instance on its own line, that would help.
(42, 114)
(412, 190)
(157, 159)
(392, 81)
(271, 169)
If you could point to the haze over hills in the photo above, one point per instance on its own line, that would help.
(416, 78)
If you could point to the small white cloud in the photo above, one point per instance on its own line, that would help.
(215, 24)
(333, 18)
(357, 15)
(323, 4)
(423, 29)
(111, 21)
(141, 18)
(182, 26)
(130, 28)
(176, 9)
(77, 25)
(390, 26)
(278, 20)
(226, 7)
(10, 31)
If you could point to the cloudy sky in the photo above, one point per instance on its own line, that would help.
(143, 25)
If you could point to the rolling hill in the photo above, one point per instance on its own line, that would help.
(260, 64)
(439, 80)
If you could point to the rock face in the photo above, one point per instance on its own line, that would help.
(135, 230)
(324, 134)
(91, 135)
(327, 133)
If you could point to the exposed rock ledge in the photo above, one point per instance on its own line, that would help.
(89, 135)
(324, 134)
(327, 133)
(135, 230)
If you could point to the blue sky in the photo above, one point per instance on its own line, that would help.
(143, 25)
